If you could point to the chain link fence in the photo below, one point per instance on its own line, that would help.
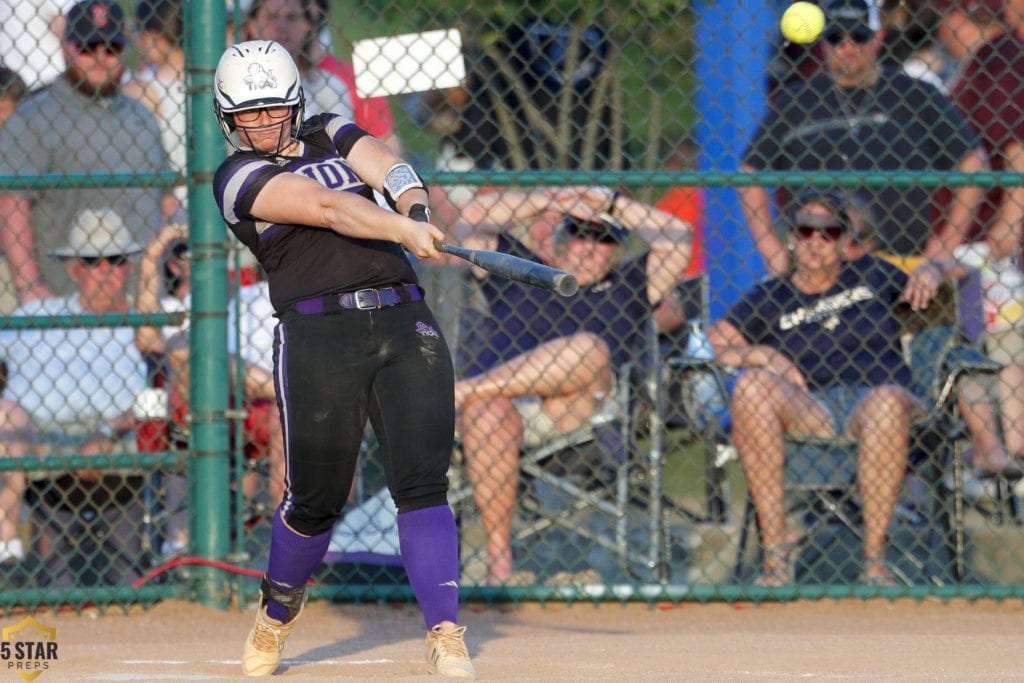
(627, 443)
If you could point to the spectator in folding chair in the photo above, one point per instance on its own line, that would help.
(977, 396)
(989, 91)
(78, 387)
(260, 430)
(820, 356)
(253, 315)
(164, 286)
(560, 350)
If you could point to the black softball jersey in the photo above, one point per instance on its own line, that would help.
(302, 261)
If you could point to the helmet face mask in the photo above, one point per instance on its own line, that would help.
(257, 74)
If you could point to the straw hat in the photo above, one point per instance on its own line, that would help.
(98, 232)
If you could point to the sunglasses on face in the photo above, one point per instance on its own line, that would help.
(829, 234)
(100, 49)
(599, 238)
(253, 115)
(93, 261)
(860, 36)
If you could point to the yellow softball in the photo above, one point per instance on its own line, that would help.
(802, 22)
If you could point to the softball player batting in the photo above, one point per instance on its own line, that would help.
(354, 341)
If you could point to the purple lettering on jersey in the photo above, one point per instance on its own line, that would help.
(333, 174)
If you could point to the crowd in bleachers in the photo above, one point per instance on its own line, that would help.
(815, 350)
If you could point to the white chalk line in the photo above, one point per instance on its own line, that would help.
(143, 674)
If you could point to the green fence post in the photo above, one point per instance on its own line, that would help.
(208, 337)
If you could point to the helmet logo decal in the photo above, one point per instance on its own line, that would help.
(259, 78)
(99, 15)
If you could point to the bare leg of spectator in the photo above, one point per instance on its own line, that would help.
(765, 407)
(492, 434)
(976, 398)
(570, 375)
(259, 386)
(1011, 401)
(881, 424)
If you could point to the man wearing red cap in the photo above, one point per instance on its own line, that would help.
(79, 124)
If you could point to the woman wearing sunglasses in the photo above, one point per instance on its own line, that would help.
(820, 356)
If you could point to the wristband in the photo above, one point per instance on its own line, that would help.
(419, 212)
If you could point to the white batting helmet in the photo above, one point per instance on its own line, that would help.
(253, 75)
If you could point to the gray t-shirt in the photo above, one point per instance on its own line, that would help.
(60, 130)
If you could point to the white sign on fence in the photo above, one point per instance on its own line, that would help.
(412, 62)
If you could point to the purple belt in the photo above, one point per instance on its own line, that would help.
(361, 299)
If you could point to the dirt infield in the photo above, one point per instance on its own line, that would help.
(873, 640)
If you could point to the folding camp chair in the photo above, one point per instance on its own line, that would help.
(696, 398)
(927, 538)
(600, 483)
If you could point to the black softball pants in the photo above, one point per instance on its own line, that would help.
(335, 371)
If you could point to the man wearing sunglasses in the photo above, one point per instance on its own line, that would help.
(855, 115)
(545, 363)
(78, 386)
(80, 124)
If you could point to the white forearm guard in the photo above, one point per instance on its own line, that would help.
(399, 179)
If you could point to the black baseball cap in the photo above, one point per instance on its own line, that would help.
(833, 200)
(850, 15)
(600, 228)
(820, 220)
(95, 22)
(815, 195)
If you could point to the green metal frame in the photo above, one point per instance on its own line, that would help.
(209, 457)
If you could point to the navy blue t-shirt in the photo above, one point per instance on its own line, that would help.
(522, 317)
(899, 124)
(847, 335)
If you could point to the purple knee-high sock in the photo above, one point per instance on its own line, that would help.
(293, 557)
(430, 552)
